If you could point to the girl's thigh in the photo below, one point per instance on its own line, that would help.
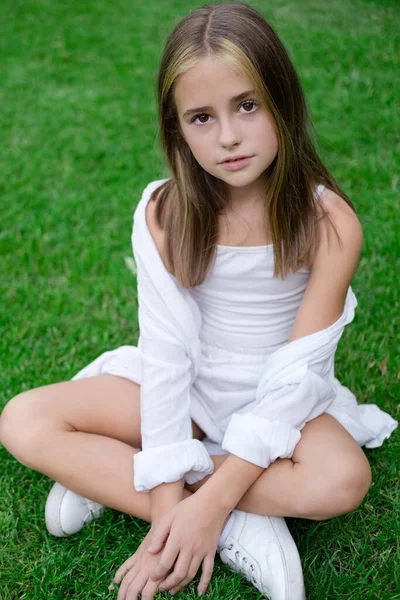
(326, 450)
(328, 475)
(325, 441)
(105, 405)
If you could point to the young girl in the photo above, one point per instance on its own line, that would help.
(228, 410)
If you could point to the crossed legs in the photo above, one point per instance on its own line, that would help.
(328, 475)
(84, 433)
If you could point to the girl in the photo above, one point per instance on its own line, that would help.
(228, 408)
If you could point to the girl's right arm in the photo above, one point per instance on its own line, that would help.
(164, 497)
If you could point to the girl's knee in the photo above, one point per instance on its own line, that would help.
(20, 426)
(337, 492)
(357, 481)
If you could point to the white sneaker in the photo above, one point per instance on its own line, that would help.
(66, 512)
(262, 549)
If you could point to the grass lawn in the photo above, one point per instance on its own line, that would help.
(78, 123)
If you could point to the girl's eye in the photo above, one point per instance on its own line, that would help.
(251, 102)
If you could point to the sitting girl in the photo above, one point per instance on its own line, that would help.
(228, 410)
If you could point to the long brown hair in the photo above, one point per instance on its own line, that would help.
(239, 36)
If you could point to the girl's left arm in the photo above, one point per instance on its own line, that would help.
(332, 269)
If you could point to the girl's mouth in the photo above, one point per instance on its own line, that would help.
(232, 165)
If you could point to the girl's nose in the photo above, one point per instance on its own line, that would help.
(229, 134)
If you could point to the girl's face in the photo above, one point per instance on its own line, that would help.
(217, 125)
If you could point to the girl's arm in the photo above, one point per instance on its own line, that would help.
(332, 269)
(164, 497)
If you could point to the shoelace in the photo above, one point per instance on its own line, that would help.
(242, 563)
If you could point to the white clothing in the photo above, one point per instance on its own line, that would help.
(218, 353)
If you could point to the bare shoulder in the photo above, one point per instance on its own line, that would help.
(156, 232)
(340, 233)
(332, 267)
(334, 203)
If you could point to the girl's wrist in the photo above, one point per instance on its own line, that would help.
(163, 498)
(215, 505)
(227, 485)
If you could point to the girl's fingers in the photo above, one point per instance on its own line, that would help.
(150, 589)
(179, 573)
(159, 536)
(124, 568)
(194, 567)
(126, 582)
(207, 569)
(139, 584)
(168, 557)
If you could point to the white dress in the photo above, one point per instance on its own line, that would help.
(247, 314)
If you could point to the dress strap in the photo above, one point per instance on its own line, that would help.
(319, 191)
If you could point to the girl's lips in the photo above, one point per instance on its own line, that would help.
(233, 159)
(233, 165)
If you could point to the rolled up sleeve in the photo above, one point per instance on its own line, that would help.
(169, 452)
(187, 461)
(272, 429)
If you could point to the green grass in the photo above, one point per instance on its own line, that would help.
(79, 144)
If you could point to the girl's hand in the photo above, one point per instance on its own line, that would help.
(135, 573)
(193, 531)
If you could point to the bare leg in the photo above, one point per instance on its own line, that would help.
(84, 434)
(92, 465)
(105, 474)
(328, 475)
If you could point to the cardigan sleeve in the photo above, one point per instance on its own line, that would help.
(169, 453)
(272, 429)
(297, 385)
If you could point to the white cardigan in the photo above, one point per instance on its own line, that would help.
(297, 384)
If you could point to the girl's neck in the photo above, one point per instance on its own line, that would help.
(243, 227)
(249, 199)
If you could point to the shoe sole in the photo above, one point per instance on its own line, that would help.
(52, 510)
(289, 551)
